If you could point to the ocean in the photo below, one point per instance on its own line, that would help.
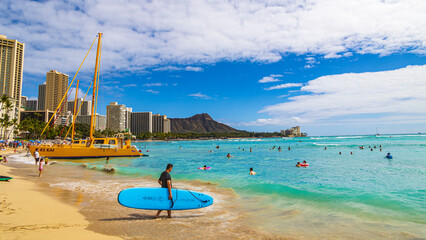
(362, 195)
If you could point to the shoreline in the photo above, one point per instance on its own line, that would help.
(28, 213)
(90, 198)
(235, 214)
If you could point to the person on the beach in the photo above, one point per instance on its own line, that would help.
(252, 172)
(165, 181)
(36, 156)
(107, 160)
(40, 167)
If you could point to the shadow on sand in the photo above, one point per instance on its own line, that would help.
(135, 216)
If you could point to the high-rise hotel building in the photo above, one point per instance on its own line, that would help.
(85, 107)
(141, 122)
(56, 87)
(117, 116)
(11, 71)
(41, 103)
(160, 123)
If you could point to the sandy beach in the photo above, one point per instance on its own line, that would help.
(28, 213)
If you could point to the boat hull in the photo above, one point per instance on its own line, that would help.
(79, 152)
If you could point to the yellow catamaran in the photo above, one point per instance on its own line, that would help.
(117, 146)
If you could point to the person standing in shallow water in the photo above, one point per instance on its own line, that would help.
(165, 181)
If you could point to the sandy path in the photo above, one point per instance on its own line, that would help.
(27, 213)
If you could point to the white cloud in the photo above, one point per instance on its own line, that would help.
(34, 98)
(130, 85)
(173, 68)
(154, 84)
(310, 61)
(199, 95)
(151, 34)
(80, 94)
(383, 97)
(270, 78)
(285, 85)
(194, 69)
(152, 91)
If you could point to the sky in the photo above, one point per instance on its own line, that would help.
(332, 67)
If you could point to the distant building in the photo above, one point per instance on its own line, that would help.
(31, 105)
(294, 132)
(116, 117)
(11, 72)
(100, 122)
(41, 105)
(43, 115)
(24, 102)
(85, 109)
(56, 87)
(128, 119)
(141, 122)
(160, 123)
(64, 120)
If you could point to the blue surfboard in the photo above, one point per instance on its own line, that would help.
(158, 199)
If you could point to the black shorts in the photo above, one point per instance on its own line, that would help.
(37, 159)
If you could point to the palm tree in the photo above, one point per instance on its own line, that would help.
(3, 99)
(4, 123)
(14, 122)
(5, 109)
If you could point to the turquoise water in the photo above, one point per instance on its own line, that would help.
(364, 185)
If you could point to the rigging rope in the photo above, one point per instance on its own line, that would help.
(68, 88)
(75, 114)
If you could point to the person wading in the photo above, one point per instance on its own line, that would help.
(165, 181)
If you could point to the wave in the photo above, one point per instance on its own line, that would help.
(318, 138)
(326, 144)
(22, 158)
(351, 137)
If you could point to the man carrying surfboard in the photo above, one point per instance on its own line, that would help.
(165, 181)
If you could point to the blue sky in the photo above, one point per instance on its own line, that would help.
(332, 67)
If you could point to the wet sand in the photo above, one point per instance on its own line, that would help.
(28, 213)
(93, 194)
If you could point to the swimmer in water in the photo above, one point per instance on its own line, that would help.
(340, 153)
(252, 172)
(205, 167)
(229, 155)
(298, 164)
(351, 153)
(289, 148)
(325, 148)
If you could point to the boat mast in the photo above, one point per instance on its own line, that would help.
(75, 113)
(95, 86)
